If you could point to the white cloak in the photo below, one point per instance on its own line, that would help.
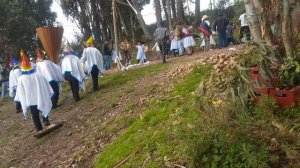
(92, 56)
(13, 80)
(71, 63)
(50, 70)
(34, 89)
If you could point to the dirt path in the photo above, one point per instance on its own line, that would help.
(84, 133)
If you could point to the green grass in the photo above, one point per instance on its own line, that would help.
(164, 133)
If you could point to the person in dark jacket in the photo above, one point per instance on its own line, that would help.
(229, 34)
(4, 79)
(220, 26)
(107, 54)
(206, 31)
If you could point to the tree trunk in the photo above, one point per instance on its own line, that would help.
(286, 30)
(197, 11)
(132, 27)
(174, 14)
(180, 11)
(123, 23)
(266, 31)
(169, 14)
(164, 4)
(158, 12)
(140, 18)
(253, 21)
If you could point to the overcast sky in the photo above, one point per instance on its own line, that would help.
(148, 13)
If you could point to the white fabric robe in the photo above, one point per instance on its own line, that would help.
(71, 63)
(34, 89)
(90, 57)
(13, 80)
(50, 70)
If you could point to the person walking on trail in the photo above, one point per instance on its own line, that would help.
(93, 60)
(245, 34)
(229, 34)
(160, 35)
(140, 56)
(107, 54)
(4, 72)
(34, 92)
(14, 75)
(206, 31)
(52, 72)
(220, 26)
(125, 47)
(72, 70)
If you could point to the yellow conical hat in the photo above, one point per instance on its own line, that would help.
(91, 40)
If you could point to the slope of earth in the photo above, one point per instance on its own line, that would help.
(93, 123)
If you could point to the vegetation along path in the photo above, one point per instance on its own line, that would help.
(143, 117)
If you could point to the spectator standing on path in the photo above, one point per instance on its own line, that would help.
(4, 79)
(141, 56)
(160, 35)
(229, 34)
(72, 70)
(188, 39)
(14, 75)
(206, 31)
(93, 60)
(107, 54)
(220, 26)
(245, 30)
(176, 43)
(34, 92)
(125, 47)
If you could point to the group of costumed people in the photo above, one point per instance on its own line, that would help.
(38, 87)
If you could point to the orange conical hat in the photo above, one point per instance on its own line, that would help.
(25, 64)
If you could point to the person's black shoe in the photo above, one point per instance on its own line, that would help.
(47, 123)
(55, 106)
(18, 111)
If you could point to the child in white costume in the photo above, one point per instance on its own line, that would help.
(14, 75)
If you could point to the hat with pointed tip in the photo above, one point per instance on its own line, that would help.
(25, 64)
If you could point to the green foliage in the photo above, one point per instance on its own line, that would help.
(236, 154)
(290, 73)
(164, 134)
(234, 85)
(265, 108)
(18, 22)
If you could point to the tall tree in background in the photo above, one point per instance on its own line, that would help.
(180, 11)
(174, 13)
(168, 4)
(157, 7)
(285, 29)
(19, 19)
(137, 6)
(197, 10)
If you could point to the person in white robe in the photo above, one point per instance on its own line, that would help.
(72, 70)
(93, 60)
(52, 72)
(14, 75)
(34, 93)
